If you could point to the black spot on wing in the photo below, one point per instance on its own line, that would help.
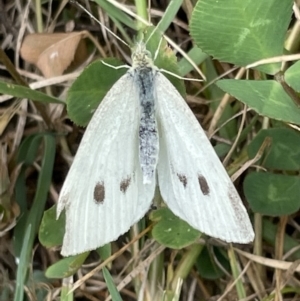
(203, 185)
(125, 184)
(99, 193)
(182, 179)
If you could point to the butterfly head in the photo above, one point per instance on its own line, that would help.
(141, 57)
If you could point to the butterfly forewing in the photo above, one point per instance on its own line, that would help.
(192, 180)
(103, 193)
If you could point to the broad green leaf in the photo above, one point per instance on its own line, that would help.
(196, 55)
(242, 32)
(105, 251)
(284, 151)
(272, 194)
(52, 230)
(270, 231)
(222, 149)
(207, 266)
(171, 231)
(67, 266)
(292, 76)
(89, 89)
(266, 97)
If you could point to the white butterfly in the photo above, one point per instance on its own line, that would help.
(143, 134)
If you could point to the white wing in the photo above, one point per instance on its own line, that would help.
(103, 193)
(192, 180)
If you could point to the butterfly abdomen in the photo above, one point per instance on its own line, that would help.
(148, 134)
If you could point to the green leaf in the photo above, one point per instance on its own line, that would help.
(169, 15)
(196, 55)
(283, 153)
(292, 76)
(105, 251)
(25, 92)
(51, 231)
(27, 227)
(266, 97)
(23, 265)
(115, 295)
(206, 264)
(66, 267)
(171, 231)
(116, 13)
(272, 194)
(89, 89)
(222, 149)
(27, 155)
(270, 231)
(242, 32)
